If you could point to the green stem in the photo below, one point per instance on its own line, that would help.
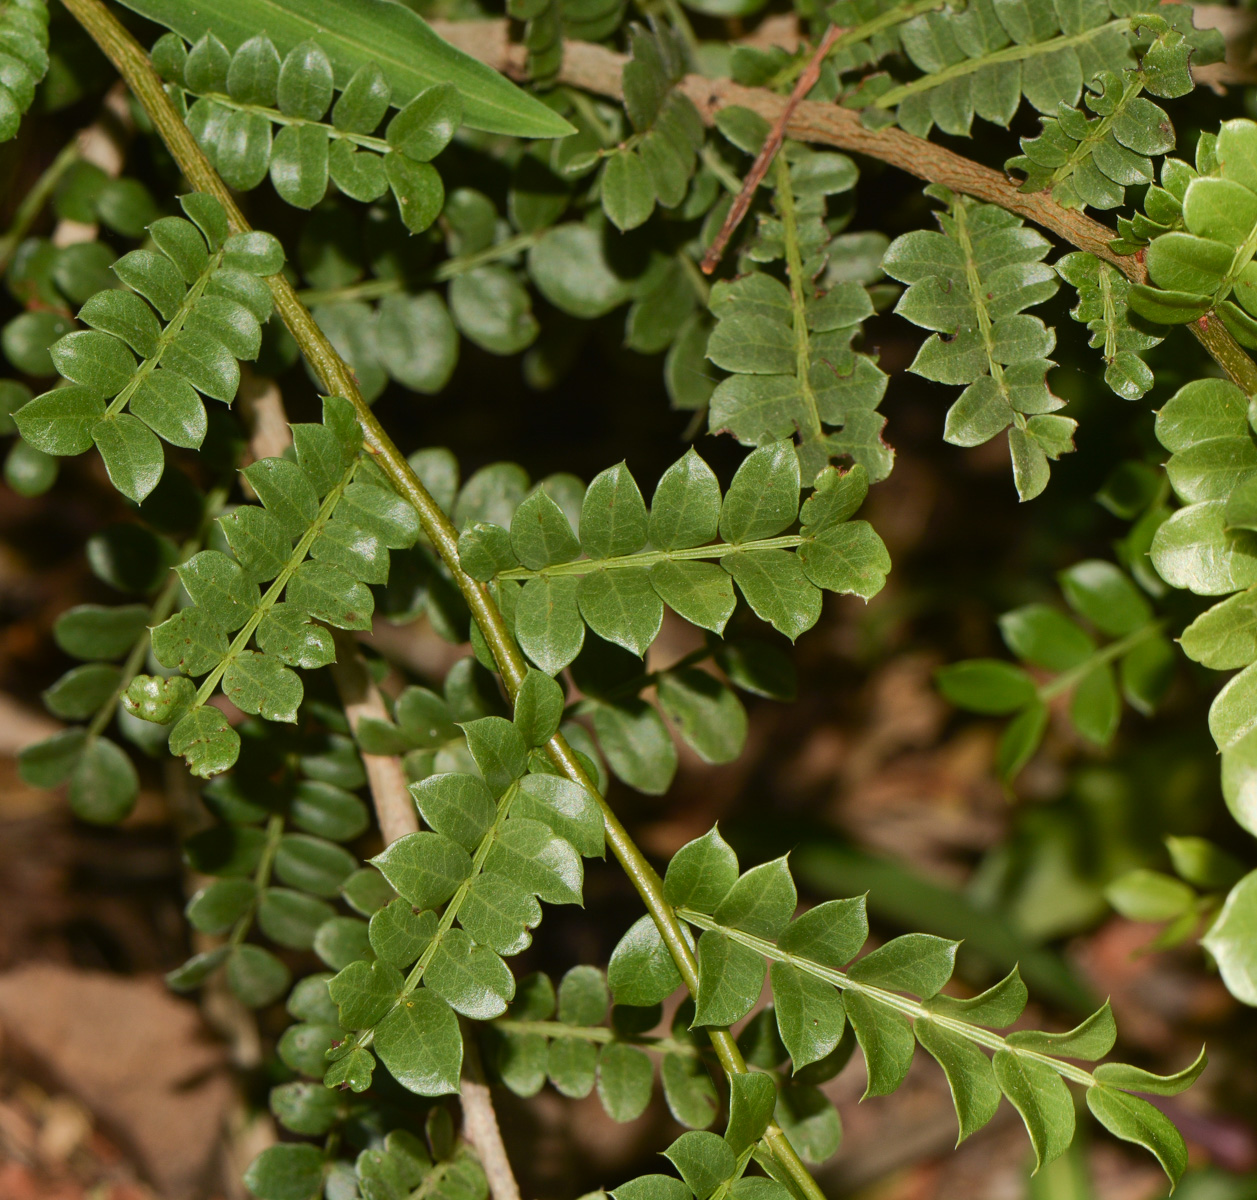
(1106, 654)
(976, 293)
(717, 166)
(597, 1033)
(34, 200)
(904, 1004)
(261, 879)
(275, 117)
(798, 302)
(166, 337)
(273, 593)
(132, 63)
(1009, 54)
(649, 558)
(373, 289)
(1097, 133)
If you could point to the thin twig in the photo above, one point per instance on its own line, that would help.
(480, 1122)
(394, 807)
(772, 143)
(599, 70)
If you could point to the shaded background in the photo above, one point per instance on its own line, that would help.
(111, 1088)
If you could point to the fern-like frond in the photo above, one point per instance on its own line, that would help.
(318, 538)
(206, 287)
(892, 998)
(240, 99)
(972, 283)
(23, 59)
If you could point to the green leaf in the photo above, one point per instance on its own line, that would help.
(1039, 1094)
(685, 510)
(763, 498)
(730, 977)
(494, 311)
(915, 962)
(531, 855)
(539, 708)
(704, 1160)
(60, 422)
(260, 683)
(762, 901)
(330, 594)
(565, 807)
(1096, 706)
(848, 558)
(548, 622)
(398, 934)
(286, 1172)
(418, 189)
(812, 1124)
(286, 632)
(458, 806)
(425, 126)
(49, 762)
(99, 632)
(81, 691)
(103, 783)
(652, 1187)
(132, 455)
(700, 592)
(621, 606)
(1232, 942)
(1103, 594)
(701, 874)
(308, 1108)
(499, 914)
(632, 736)
(218, 906)
(625, 1080)
(1144, 895)
(776, 588)
(830, 934)
(709, 716)
(583, 997)
(540, 533)
(410, 55)
(206, 741)
(613, 515)
(1091, 1040)
(472, 979)
(312, 864)
(1200, 862)
(256, 976)
(1135, 1079)
(641, 971)
(572, 1066)
(1047, 638)
(885, 1037)
(986, 685)
(499, 751)
(292, 918)
(973, 1088)
(752, 1098)
(1135, 1120)
(424, 868)
(628, 196)
(420, 1044)
(688, 1091)
(997, 1007)
(810, 1014)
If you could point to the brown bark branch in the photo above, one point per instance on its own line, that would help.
(394, 808)
(480, 1122)
(763, 160)
(597, 69)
